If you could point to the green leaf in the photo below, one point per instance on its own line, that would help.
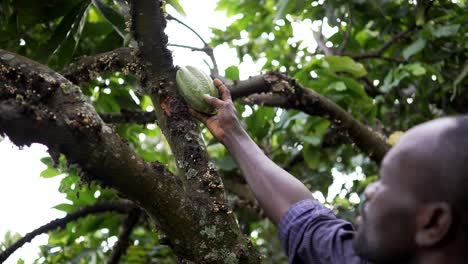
(284, 7)
(176, 5)
(67, 49)
(47, 161)
(414, 48)
(60, 33)
(49, 173)
(415, 69)
(232, 72)
(445, 31)
(281, 8)
(337, 86)
(345, 64)
(392, 79)
(311, 155)
(114, 17)
(31, 12)
(313, 140)
(67, 208)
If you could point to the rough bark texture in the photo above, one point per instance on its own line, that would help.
(283, 91)
(218, 238)
(39, 105)
(89, 67)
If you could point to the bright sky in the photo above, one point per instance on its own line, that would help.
(26, 200)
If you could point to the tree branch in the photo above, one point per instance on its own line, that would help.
(287, 93)
(88, 68)
(124, 238)
(319, 38)
(201, 182)
(349, 28)
(122, 207)
(129, 116)
(39, 105)
(170, 17)
(378, 52)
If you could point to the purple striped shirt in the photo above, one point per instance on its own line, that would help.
(310, 233)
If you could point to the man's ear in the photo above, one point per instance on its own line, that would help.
(434, 221)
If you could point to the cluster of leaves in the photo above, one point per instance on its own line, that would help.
(420, 76)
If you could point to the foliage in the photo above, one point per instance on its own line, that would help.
(420, 76)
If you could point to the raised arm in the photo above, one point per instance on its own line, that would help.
(275, 189)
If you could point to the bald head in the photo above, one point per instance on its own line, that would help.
(431, 160)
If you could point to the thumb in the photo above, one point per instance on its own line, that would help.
(202, 117)
(213, 101)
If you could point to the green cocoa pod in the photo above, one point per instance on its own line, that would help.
(193, 84)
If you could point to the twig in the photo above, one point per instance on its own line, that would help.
(124, 238)
(114, 206)
(319, 38)
(378, 52)
(169, 17)
(206, 47)
(188, 47)
(349, 28)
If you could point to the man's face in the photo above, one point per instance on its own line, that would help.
(386, 226)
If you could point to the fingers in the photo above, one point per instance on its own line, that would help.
(202, 117)
(225, 93)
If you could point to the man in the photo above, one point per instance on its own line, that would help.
(415, 213)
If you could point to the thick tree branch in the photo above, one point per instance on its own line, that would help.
(287, 93)
(123, 242)
(122, 207)
(88, 68)
(39, 105)
(129, 116)
(201, 181)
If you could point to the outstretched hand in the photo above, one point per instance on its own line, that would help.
(224, 123)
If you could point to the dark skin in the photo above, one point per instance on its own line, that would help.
(414, 214)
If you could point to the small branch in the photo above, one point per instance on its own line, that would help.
(188, 47)
(129, 116)
(114, 206)
(88, 68)
(124, 238)
(169, 17)
(287, 93)
(349, 28)
(319, 38)
(378, 52)
(206, 47)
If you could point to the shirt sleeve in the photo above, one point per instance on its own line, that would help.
(310, 233)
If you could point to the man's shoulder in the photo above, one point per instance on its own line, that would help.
(310, 232)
